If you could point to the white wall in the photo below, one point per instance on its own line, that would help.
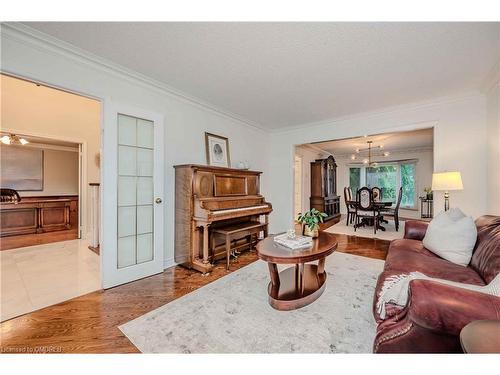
(423, 177)
(493, 121)
(185, 120)
(308, 156)
(459, 144)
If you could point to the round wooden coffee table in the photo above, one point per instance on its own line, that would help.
(297, 286)
(481, 336)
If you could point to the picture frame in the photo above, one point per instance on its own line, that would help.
(22, 168)
(217, 150)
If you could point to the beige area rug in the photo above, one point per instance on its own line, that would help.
(389, 234)
(232, 315)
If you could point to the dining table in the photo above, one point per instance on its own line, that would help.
(379, 205)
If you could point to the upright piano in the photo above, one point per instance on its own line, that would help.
(208, 197)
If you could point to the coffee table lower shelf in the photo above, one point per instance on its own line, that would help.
(295, 287)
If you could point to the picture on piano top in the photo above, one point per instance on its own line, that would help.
(217, 149)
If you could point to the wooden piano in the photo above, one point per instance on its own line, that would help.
(209, 197)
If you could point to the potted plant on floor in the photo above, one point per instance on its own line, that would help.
(310, 221)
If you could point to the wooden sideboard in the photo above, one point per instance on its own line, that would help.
(30, 221)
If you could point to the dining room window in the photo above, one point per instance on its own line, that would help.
(389, 177)
(355, 178)
(386, 178)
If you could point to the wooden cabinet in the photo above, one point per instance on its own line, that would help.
(324, 188)
(34, 216)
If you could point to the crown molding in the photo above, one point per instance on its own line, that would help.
(313, 148)
(381, 112)
(24, 34)
(393, 152)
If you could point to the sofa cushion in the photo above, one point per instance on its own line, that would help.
(452, 236)
(486, 257)
(409, 255)
(404, 244)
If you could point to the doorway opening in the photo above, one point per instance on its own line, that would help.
(396, 167)
(50, 154)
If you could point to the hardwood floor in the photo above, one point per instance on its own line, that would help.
(89, 324)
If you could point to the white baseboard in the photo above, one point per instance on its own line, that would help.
(167, 263)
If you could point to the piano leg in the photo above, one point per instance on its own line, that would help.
(205, 244)
(228, 252)
(266, 221)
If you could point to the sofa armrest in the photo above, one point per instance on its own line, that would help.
(415, 229)
(445, 308)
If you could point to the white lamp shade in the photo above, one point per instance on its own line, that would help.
(447, 181)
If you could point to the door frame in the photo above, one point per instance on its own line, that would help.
(103, 101)
(111, 275)
(83, 200)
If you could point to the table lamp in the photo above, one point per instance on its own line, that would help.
(447, 181)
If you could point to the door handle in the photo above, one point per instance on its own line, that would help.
(158, 200)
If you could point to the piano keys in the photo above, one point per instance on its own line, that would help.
(209, 197)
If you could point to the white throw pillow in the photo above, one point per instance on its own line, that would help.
(452, 236)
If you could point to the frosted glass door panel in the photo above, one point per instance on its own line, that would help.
(145, 186)
(144, 247)
(144, 162)
(127, 157)
(127, 195)
(145, 136)
(135, 191)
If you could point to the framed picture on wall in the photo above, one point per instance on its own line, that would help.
(217, 148)
(22, 168)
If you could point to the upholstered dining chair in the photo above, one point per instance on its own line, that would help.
(377, 194)
(394, 212)
(351, 210)
(365, 209)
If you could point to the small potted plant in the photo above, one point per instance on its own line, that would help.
(428, 193)
(310, 221)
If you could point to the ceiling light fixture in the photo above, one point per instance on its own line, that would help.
(370, 152)
(13, 139)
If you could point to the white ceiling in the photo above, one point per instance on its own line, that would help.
(287, 74)
(392, 142)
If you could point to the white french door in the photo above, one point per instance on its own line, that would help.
(133, 193)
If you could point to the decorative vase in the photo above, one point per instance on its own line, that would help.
(310, 233)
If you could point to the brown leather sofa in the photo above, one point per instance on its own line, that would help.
(435, 313)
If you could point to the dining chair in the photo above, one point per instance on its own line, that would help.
(394, 212)
(377, 194)
(351, 210)
(365, 209)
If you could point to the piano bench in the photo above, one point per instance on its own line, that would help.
(236, 232)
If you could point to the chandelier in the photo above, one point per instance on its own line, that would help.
(368, 152)
(13, 139)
